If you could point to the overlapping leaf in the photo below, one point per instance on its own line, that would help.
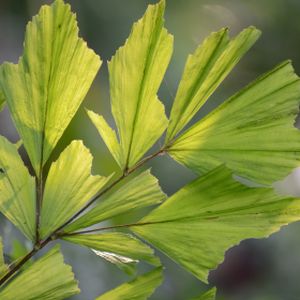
(118, 243)
(204, 71)
(252, 132)
(138, 289)
(208, 216)
(17, 189)
(209, 295)
(44, 90)
(68, 187)
(139, 192)
(135, 74)
(48, 279)
(3, 266)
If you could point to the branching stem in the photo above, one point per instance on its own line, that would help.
(58, 232)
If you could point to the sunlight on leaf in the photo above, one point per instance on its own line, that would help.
(126, 264)
(138, 289)
(17, 189)
(48, 279)
(201, 221)
(252, 132)
(139, 192)
(68, 187)
(118, 243)
(135, 74)
(204, 72)
(45, 89)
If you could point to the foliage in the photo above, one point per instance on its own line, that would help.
(250, 135)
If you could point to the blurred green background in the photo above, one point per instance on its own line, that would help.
(254, 270)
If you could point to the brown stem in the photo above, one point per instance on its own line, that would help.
(26, 258)
(105, 228)
(101, 193)
(56, 234)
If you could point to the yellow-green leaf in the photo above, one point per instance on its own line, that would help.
(135, 74)
(204, 72)
(46, 279)
(139, 192)
(3, 266)
(140, 288)
(209, 295)
(253, 132)
(118, 243)
(17, 189)
(201, 221)
(44, 90)
(108, 135)
(68, 187)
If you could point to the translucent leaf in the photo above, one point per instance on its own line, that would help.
(204, 72)
(139, 192)
(108, 135)
(252, 132)
(2, 99)
(17, 189)
(45, 89)
(209, 295)
(135, 74)
(48, 279)
(118, 243)
(201, 221)
(3, 266)
(68, 187)
(138, 289)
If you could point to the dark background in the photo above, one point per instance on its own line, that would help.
(256, 269)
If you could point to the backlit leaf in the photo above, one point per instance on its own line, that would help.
(68, 187)
(45, 89)
(135, 74)
(204, 72)
(252, 132)
(17, 189)
(118, 243)
(139, 192)
(201, 221)
(48, 279)
(140, 288)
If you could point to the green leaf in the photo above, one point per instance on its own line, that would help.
(139, 192)
(204, 72)
(138, 289)
(135, 74)
(48, 279)
(3, 266)
(252, 132)
(68, 187)
(18, 250)
(2, 99)
(201, 221)
(108, 135)
(17, 189)
(45, 89)
(115, 242)
(209, 295)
